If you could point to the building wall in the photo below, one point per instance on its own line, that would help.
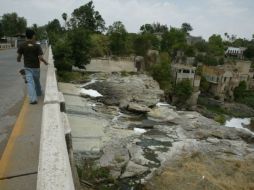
(224, 79)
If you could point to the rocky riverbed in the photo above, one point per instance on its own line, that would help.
(128, 139)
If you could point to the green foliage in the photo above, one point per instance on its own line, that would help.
(99, 45)
(40, 32)
(201, 46)
(12, 24)
(72, 49)
(118, 38)
(204, 85)
(249, 52)
(54, 31)
(144, 42)
(183, 90)
(1, 29)
(162, 73)
(87, 18)
(220, 119)
(186, 27)
(239, 91)
(189, 51)
(63, 55)
(80, 43)
(244, 96)
(64, 16)
(215, 45)
(210, 60)
(67, 76)
(54, 26)
(173, 41)
(153, 28)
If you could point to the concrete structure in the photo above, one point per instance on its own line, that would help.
(111, 65)
(54, 170)
(235, 52)
(19, 160)
(193, 39)
(224, 78)
(187, 72)
(182, 72)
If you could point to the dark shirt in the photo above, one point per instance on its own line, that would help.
(30, 51)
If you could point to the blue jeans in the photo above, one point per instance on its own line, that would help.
(33, 83)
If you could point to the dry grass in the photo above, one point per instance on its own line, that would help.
(199, 172)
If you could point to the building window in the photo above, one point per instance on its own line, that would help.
(186, 71)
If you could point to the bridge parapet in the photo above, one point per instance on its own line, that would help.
(54, 170)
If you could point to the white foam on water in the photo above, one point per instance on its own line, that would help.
(139, 131)
(115, 119)
(238, 122)
(90, 92)
(88, 83)
(159, 104)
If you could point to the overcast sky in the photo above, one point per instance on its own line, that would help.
(207, 17)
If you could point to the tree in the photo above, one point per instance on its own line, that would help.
(183, 91)
(249, 52)
(201, 46)
(62, 52)
(80, 43)
(64, 16)
(162, 73)
(12, 24)
(147, 28)
(226, 35)
(40, 32)
(54, 30)
(54, 26)
(239, 92)
(204, 85)
(1, 29)
(118, 38)
(87, 18)
(153, 28)
(173, 40)
(72, 49)
(144, 42)
(215, 45)
(99, 45)
(186, 27)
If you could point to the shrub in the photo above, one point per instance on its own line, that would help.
(183, 90)
(220, 119)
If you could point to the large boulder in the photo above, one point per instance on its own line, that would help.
(121, 91)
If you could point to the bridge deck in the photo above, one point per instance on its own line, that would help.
(19, 161)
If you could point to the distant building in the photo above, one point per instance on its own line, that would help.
(235, 52)
(224, 79)
(187, 72)
(193, 39)
(182, 72)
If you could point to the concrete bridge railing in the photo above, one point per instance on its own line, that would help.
(54, 170)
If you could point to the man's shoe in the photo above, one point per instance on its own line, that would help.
(35, 102)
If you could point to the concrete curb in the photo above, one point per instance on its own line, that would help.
(54, 170)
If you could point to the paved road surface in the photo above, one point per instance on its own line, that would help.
(12, 91)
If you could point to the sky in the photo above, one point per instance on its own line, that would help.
(207, 17)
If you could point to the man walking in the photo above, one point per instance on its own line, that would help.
(32, 54)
